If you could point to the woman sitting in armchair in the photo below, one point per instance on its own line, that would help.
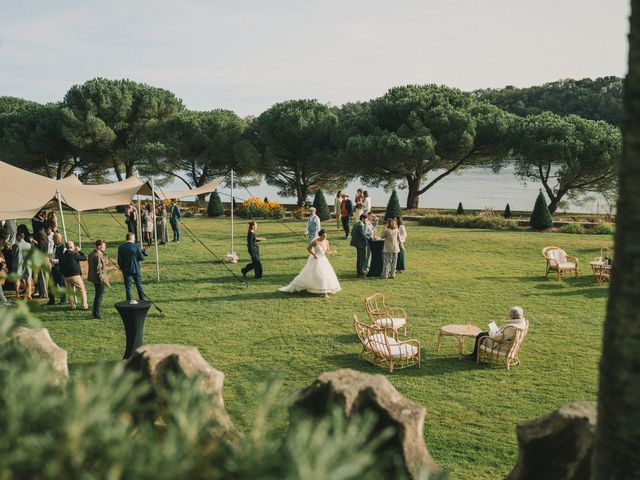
(515, 318)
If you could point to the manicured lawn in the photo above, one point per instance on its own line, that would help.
(454, 276)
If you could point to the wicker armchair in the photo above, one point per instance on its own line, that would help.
(383, 316)
(381, 347)
(558, 261)
(504, 348)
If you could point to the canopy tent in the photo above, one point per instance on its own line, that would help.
(162, 194)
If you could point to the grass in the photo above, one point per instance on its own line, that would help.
(454, 276)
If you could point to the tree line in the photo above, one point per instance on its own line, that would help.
(411, 137)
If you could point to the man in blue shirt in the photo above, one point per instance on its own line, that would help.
(129, 256)
(175, 220)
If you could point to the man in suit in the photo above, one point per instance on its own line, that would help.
(129, 256)
(175, 220)
(58, 250)
(359, 240)
(98, 275)
(72, 273)
(346, 210)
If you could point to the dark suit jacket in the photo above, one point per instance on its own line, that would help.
(70, 263)
(349, 208)
(358, 237)
(252, 246)
(129, 254)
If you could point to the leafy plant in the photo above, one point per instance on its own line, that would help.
(540, 216)
(604, 229)
(574, 228)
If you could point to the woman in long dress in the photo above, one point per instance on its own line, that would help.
(391, 248)
(402, 237)
(318, 275)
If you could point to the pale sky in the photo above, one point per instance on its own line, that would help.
(248, 55)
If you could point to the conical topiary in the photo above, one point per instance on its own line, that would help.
(266, 200)
(507, 212)
(393, 207)
(460, 210)
(214, 208)
(541, 217)
(320, 204)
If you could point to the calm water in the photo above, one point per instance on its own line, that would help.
(476, 188)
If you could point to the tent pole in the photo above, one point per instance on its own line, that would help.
(232, 251)
(139, 222)
(79, 233)
(155, 227)
(64, 228)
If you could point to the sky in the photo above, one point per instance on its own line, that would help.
(247, 55)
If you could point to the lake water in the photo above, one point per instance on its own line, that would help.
(476, 188)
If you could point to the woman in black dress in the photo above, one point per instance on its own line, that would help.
(254, 252)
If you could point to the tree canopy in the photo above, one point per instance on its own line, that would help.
(568, 155)
(413, 130)
(122, 111)
(599, 99)
(296, 153)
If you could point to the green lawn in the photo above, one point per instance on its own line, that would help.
(454, 276)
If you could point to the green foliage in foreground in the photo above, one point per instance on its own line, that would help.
(540, 216)
(101, 421)
(453, 276)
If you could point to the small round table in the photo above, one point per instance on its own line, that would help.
(133, 317)
(601, 271)
(460, 332)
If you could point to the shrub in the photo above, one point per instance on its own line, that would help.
(540, 217)
(393, 207)
(254, 208)
(575, 228)
(460, 210)
(266, 200)
(455, 221)
(320, 204)
(215, 208)
(299, 213)
(604, 229)
(507, 212)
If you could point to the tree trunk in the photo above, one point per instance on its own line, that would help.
(413, 196)
(617, 451)
(116, 169)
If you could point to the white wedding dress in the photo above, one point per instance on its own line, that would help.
(317, 276)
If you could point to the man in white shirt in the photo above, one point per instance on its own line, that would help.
(313, 225)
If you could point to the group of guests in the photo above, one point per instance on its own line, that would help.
(394, 235)
(147, 219)
(344, 208)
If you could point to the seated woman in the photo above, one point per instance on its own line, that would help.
(515, 318)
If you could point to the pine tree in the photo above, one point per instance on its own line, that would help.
(320, 204)
(215, 208)
(393, 207)
(541, 217)
(460, 210)
(266, 200)
(507, 212)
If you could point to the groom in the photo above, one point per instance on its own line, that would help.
(359, 240)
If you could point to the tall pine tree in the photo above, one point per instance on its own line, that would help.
(507, 212)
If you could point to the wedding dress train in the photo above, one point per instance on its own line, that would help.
(317, 276)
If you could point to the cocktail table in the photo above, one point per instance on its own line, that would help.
(460, 332)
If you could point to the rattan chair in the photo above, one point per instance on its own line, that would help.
(381, 347)
(558, 261)
(383, 316)
(504, 348)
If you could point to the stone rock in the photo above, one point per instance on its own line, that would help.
(558, 446)
(358, 393)
(155, 362)
(40, 343)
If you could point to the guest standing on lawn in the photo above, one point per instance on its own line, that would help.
(402, 237)
(254, 252)
(131, 219)
(391, 248)
(98, 275)
(359, 241)
(58, 279)
(70, 269)
(129, 256)
(19, 264)
(313, 225)
(175, 220)
(346, 210)
(337, 209)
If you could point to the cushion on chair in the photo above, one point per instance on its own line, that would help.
(501, 352)
(557, 256)
(567, 266)
(377, 344)
(403, 350)
(387, 322)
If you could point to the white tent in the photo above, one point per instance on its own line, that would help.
(163, 194)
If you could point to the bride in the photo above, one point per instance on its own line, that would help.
(317, 276)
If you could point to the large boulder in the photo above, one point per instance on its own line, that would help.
(558, 446)
(40, 343)
(357, 393)
(156, 362)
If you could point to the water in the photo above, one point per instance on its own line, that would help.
(476, 188)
